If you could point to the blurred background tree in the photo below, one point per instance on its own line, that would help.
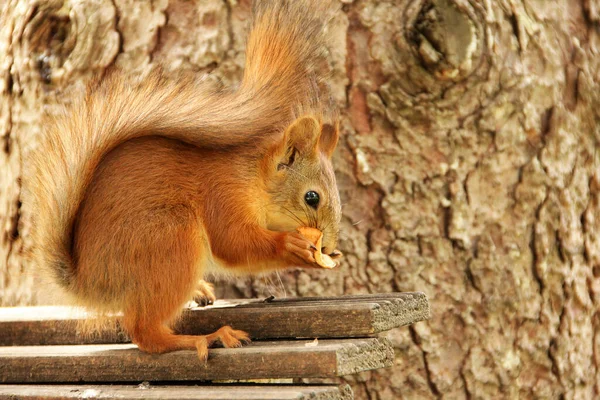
(468, 167)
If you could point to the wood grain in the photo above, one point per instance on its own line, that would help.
(221, 392)
(322, 317)
(259, 360)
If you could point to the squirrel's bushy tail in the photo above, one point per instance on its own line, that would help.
(285, 42)
(287, 39)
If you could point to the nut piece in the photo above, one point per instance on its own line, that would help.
(316, 237)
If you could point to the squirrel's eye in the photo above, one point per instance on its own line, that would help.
(312, 198)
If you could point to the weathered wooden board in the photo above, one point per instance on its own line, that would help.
(259, 360)
(321, 317)
(225, 392)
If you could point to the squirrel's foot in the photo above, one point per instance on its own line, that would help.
(225, 335)
(299, 251)
(202, 348)
(205, 293)
(228, 337)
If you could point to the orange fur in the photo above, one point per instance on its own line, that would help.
(140, 187)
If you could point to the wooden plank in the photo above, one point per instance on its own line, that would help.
(222, 392)
(320, 317)
(259, 360)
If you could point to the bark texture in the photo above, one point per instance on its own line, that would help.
(469, 169)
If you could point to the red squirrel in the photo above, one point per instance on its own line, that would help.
(139, 188)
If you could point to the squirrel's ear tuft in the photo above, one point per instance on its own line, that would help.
(330, 134)
(303, 134)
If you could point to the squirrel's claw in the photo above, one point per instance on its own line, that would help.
(336, 254)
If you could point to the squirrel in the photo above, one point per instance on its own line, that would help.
(138, 188)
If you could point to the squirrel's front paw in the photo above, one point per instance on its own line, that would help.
(299, 251)
(205, 293)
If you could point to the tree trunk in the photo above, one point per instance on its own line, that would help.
(469, 169)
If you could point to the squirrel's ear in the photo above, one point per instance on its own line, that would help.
(303, 134)
(330, 134)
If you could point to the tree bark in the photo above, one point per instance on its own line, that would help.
(469, 169)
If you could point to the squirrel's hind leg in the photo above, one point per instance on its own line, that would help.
(153, 337)
(169, 275)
